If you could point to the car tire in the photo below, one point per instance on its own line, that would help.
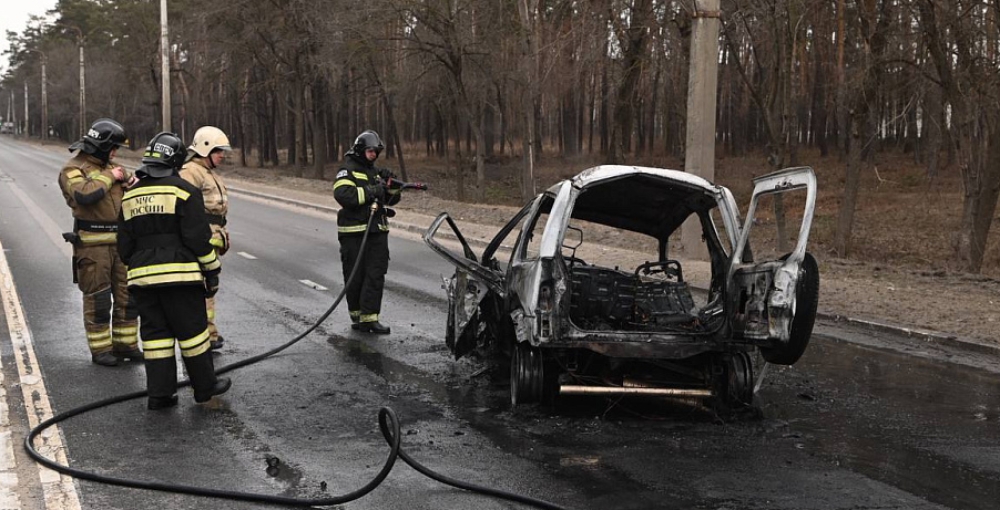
(739, 380)
(807, 300)
(733, 383)
(527, 375)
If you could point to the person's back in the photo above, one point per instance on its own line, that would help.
(167, 243)
(165, 240)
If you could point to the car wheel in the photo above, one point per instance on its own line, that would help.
(739, 380)
(734, 382)
(527, 375)
(806, 301)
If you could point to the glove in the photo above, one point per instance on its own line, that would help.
(376, 191)
(385, 174)
(225, 244)
(211, 285)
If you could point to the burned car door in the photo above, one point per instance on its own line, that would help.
(474, 279)
(771, 299)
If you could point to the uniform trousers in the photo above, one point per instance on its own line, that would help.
(170, 316)
(109, 314)
(364, 294)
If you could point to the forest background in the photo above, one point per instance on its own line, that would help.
(895, 103)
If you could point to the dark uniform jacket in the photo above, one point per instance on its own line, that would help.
(89, 188)
(351, 193)
(163, 234)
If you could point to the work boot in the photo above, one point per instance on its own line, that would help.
(217, 344)
(161, 383)
(157, 403)
(221, 386)
(133, 354)
(373, 327)
(105, 359)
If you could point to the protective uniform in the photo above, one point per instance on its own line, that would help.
(199, 170)
(164, 237)
(358, 185)
(94, 194)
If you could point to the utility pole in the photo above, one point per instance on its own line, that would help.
(699, 153)
(45, 99)
(83, 87)
(45, 103)
(165, 64)
(27, 130)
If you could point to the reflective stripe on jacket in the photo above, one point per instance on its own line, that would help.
(349, 190)
(213, 192)
(90, 189)
(163, 234)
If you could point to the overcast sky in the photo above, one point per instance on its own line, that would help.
(14, 17)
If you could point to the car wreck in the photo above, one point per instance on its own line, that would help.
(572, 327)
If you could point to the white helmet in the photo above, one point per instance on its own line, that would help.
(208, 139)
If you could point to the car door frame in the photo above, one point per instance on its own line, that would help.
(761, 295)
(472, 281)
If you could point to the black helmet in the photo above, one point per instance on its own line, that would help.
(163, 156)
(367, 140)
(106, 134)
(103, 136)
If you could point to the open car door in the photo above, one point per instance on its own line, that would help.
(472, 282)
(772, 299)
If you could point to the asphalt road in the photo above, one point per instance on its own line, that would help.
(865, 420)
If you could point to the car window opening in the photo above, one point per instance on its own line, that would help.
(650, 295)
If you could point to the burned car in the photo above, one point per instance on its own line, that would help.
(639, 324)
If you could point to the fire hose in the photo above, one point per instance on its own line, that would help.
(387, 421)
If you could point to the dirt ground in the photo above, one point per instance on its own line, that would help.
(898, 276)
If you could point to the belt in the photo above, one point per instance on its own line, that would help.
(158, 241)
(95, 226)
(217, 219)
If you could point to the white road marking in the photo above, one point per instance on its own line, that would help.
(8, 468)
(58, 490)
(246, 255)
(310, 283)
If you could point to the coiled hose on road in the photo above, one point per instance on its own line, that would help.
(387, 421)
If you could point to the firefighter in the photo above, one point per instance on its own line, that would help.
(205, 154)
(165, 239)
(359, 189)
(93, 188)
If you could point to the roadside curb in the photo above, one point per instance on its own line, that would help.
(402, 225)
(966, 344)
(950, 340)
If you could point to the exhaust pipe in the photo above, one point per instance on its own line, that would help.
(576, 389)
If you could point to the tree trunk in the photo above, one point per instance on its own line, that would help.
(528, 11)
(852, 184)
(634, 47)
(459, 163)
(318, 131)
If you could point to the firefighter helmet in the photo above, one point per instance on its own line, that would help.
(163, 156)
(368, 139)
(208, 139)
(103, 136)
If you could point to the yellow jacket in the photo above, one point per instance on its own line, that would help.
(216, 198)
